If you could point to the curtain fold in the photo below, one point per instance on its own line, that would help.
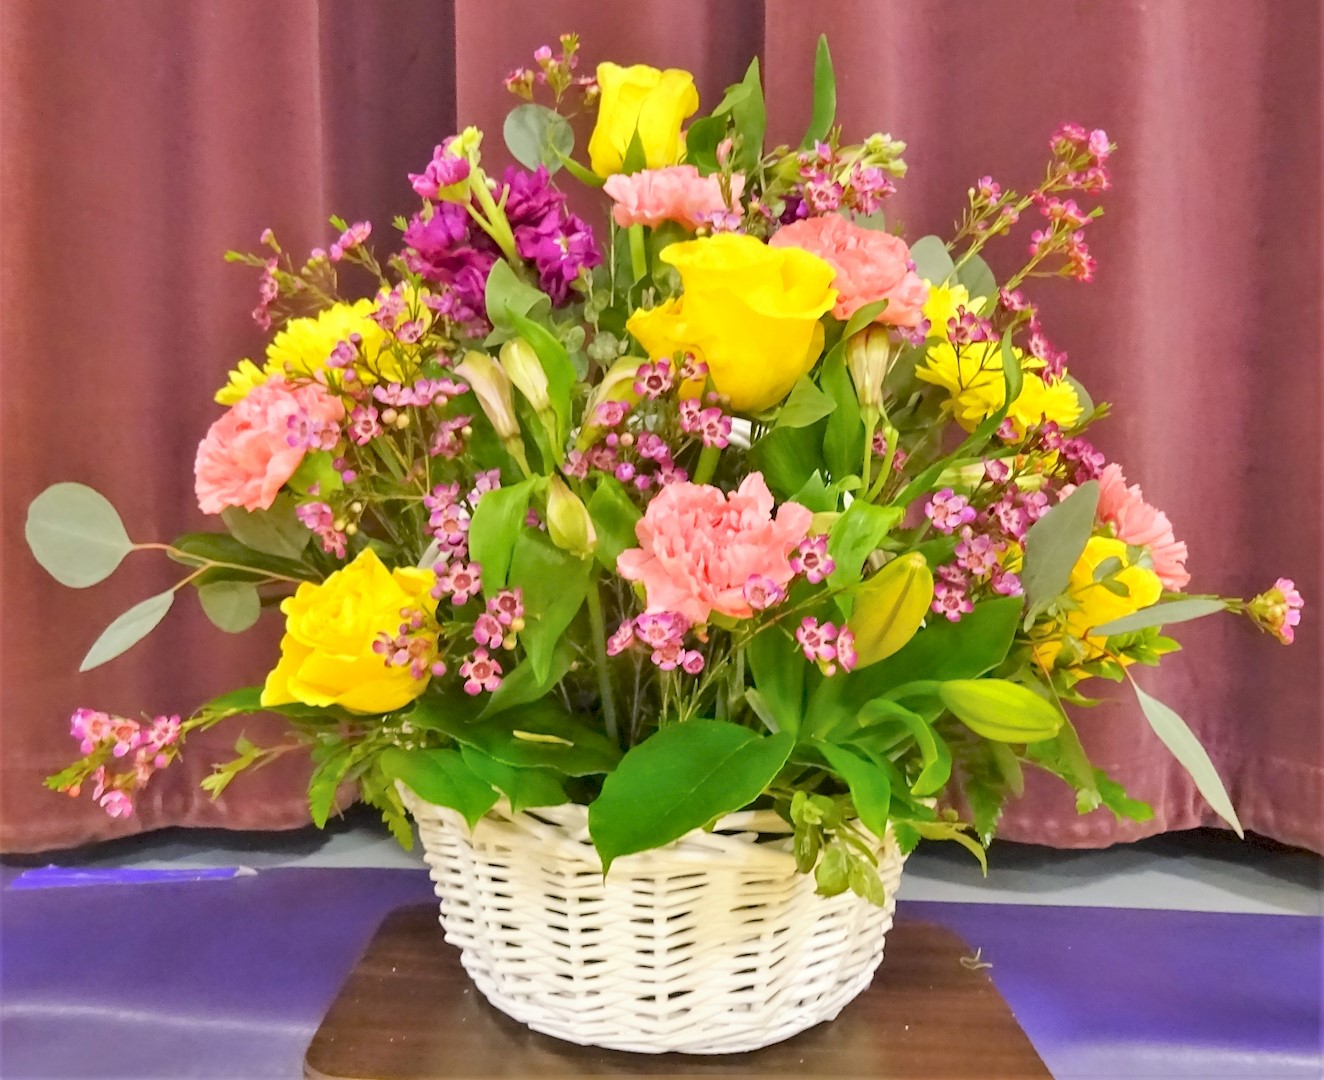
(143, 138)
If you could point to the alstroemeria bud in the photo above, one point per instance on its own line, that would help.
(890, 607)
(521, 364)
(616, 385)
(869, 356)
(568, 521)
(491, 386)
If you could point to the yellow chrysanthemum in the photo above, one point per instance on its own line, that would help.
(244, 378)
(972, 376)
(1040, 400)
(303, 346)
(942, 304)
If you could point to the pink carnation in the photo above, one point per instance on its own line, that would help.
(677, 193)
(1134, 521)
(698, 547)
(248, 453)
(870, 266)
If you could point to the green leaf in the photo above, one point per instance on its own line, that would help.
(817, 496)
(1114, 797)
(862, 317)
(978, 280)
(1054, 544)
(1175, 611)
(854, 537)
(196, 549)
(233, 606)
(583, 175)
(635, 159)
(1000, 710)
(559, 370)
(1082, 395)
(1012, 376)
(536, 135)
(275, 531)
(751, 120)
(934, 753)
(523, 685)
(316, 475)
(524, 788)
(870, 789)
(554, 583)
(614, 517)
(333, 763)
(788, 457)
(931, 259)
(701, 139)
(825, 96)
(679, 779)
(508, 294)
(843, 442)
(779, 673)
(805, 405)
(947, 830)
(129, 629)
(832, 875)
(76, 535)
(539, 735)
(442, 778)
(1009, 768)
(1185, 747)
(497, 523)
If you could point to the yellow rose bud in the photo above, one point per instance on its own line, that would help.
(491, 386)
(327, 655)
(521, 363)
(890, 606)
(868, 358)
(640, 98)
(568, 521)
(749, 311)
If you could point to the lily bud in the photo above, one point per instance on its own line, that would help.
(616, 385)
(491, 386)
(521, 364)
(1001, 711)
(568, 521)
(890, 607)
(869, 356)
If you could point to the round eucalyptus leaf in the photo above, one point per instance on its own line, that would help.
(233, 606)
(76, 535)
(538, 136)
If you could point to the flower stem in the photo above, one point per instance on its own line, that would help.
(599, 629)
(638, 254)
(703, 472)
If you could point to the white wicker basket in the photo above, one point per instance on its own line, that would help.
(711, 945)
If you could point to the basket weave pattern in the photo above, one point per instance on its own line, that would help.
(713, 944)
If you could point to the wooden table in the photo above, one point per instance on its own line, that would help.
(409, 1012)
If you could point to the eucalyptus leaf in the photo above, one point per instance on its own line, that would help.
(978, 280)
(76, 535)
(129, 629)
(233, 606)
(1054, 544)
(932, 260)
(1174, 611)
(1185, 747)
(679, 779)
(537, 135)
(274, 531)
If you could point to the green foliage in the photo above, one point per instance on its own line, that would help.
(497, 522)
(825, 96)
(525, 789)
(870, 788)
(614, 516)
(316, 472)
(275, 531)
(805, 405)
(853, 538)
(1174, 611)
(789, 457)
(241, 562)
(508, 295)
(750, 117)
(233, 606)
(931, 259)
(127, 630)
(537, 135)
(76, 535)
(979, 281)
(554, 583)
(843, 441)
(778, 673)
(1185, 747)
(523, 685)
(560, 374)
(1053, 546)
(442, 778)
(679, 779)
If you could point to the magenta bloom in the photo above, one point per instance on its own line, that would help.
(480, 672)
(812, 560)
(1278, 610)
(949, 511)
(698, 547)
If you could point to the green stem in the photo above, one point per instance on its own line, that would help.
(638, 253)
(893, 439)
(870, 426)
(703, 472)
(599, 629)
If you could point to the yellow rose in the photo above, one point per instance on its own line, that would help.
(749, 311)
(655, 103)
(1094, 604)
(327, 655)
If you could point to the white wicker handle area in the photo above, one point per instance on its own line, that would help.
(712, 944)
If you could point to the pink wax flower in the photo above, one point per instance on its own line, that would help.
(1278, 610)
(870, 266)
(698, 547)
(677, 193)
(247, 455)
(1135, 521)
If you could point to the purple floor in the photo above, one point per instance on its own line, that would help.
(229, 978)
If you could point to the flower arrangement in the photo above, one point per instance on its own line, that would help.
(735, 498)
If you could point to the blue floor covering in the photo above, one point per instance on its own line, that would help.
(230, 978)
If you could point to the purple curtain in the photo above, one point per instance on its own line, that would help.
(143, 138)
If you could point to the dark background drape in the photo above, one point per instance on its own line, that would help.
(142, 138)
